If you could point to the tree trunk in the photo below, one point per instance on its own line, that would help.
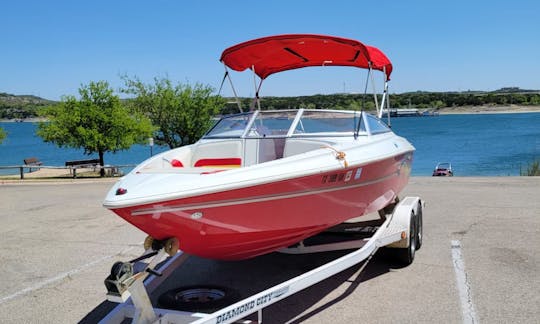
(101, 170)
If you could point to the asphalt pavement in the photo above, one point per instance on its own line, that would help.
(480, 260)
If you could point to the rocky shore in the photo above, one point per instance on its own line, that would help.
(487, 109)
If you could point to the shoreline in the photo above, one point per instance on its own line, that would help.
(512, 109)
(24, 120)
(467, 110)
(58, 175)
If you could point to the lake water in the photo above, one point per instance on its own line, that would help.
(22, 142)
(476, 145)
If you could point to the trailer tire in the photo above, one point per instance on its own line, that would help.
(419, 226)
(202, 298)
(406, 255)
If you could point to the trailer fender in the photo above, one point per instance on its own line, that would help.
(402, 217)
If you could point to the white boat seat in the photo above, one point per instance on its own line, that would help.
(227, 153)
(295, 146)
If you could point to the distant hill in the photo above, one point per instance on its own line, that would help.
(504, 97)
(514, 90)
(506, 90)
(21, 106)
(6, 97)
(27, 106)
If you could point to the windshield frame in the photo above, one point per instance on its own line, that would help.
(362, 122)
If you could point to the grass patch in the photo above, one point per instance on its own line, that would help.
(533, 169)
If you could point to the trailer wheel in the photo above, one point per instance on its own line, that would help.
(419, 227)
(203, 298)
(406, 255)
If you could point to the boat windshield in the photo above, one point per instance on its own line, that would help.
(230, 126)
(319, 122)
(272, 123)
(443, 166)
(291, 123)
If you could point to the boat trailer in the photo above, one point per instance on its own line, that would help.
(130, 283)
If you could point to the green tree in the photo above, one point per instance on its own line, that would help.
(97, 122)
(437, 104)
(183, 113)
(534, 99)
(2, 135)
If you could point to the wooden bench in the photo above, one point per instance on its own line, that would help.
(32, 161)
(73, 165)
(82, 163)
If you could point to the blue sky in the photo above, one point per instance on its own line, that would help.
(50, 48)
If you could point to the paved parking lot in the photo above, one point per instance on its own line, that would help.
(479, 261)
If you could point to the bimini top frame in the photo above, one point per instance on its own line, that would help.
(268, 55)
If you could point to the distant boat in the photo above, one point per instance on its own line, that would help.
(443, 169)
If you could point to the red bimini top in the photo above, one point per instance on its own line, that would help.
(278, 53)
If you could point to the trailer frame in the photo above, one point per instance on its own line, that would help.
(401, 229)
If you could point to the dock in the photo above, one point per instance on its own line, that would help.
(409, 112)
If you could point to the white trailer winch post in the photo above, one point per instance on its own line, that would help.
(126, 307)
(394, 231)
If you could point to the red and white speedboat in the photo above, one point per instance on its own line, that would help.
(263, 180)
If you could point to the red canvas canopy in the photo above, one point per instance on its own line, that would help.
(278, 53)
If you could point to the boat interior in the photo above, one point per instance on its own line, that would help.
(256, 137)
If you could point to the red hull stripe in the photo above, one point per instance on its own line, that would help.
(257, 199)
(218, 162)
